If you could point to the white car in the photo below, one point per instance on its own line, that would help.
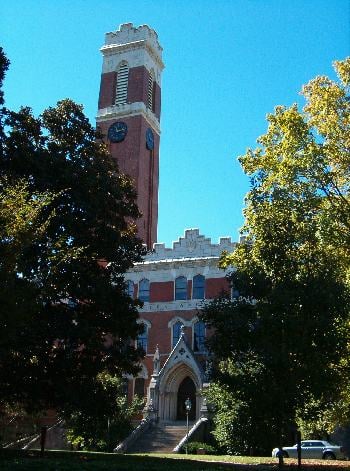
(316, 449)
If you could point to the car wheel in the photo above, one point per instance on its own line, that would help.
(285, 454)
(329, 456)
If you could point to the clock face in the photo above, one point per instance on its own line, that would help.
(149, 139)
(117, 131)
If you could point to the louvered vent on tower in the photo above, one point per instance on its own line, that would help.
(150, 97)
(122, 84)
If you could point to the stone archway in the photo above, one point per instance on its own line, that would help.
(186, 381)
(187, 390)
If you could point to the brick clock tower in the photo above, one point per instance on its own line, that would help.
(129, 114)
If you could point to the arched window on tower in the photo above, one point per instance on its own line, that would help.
(121, 94)
(199, 337)
(151, 91)
(142, 338)
(198, 287)
(129, 288)
(144, 290)
(181, 288)
(176, 332)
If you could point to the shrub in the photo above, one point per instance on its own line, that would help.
(193, 447)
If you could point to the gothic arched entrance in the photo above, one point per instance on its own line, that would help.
(187, 389)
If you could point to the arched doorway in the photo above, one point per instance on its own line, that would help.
(187, 389)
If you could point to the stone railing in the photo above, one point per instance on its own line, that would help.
(143, 426)
(55, 438)
(191, 434)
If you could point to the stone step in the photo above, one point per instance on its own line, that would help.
(162, 438)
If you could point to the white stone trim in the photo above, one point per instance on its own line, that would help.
(193, 321)
(186, 305)
(128, 36)
(143, 373)
(175, 319)
(128, 110)
(169, 271)
(147, 323)
(137, 54)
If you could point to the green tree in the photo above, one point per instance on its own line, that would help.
(281, 345)
(101, 416)
(66, 240)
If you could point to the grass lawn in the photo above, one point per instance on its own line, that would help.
(12, 460)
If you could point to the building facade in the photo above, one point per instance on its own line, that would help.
(173, 283)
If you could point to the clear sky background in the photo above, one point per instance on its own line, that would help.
(228, 64)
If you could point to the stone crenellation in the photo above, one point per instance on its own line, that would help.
(128, 33)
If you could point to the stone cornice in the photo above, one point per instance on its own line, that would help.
(176, 263)
(127, 110)
(110, 49)
(183, 305)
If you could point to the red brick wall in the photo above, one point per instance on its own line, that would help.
(189, 289)
(162, 291)
(107, 90)
(160, 334)
(137, 161)
(215, 286)
(138, 84)
(157, 101)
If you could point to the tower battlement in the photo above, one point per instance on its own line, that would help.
(128, 34)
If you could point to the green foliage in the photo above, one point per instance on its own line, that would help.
(65, 211)
(102, 418)
(281, 346)
(193, 447)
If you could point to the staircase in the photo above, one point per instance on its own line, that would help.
(161, 438)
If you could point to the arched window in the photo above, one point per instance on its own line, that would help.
(181, 288)
(129, 288)
(151, 91)
(121, 94)
(198, 287)
(139, 387)
(144, 290)
(176, 332)
(199, 337)
(142, 338)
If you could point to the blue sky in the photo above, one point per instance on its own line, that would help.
(228, 64)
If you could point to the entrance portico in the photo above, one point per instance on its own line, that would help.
(180, 378)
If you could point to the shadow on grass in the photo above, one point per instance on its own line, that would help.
(12, 460)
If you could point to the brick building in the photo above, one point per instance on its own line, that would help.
(172, 282)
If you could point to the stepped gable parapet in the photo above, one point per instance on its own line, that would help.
(192, 245)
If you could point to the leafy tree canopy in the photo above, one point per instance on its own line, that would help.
(281, 344)
(65, 211)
